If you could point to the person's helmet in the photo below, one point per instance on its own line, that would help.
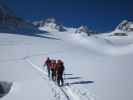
(48, 58)
(60, 61)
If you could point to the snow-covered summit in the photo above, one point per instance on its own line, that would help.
(123, 29)
(50, 24)
(83, 30)
(126, 26)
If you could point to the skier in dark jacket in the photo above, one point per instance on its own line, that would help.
(48, 64)
(59, 71)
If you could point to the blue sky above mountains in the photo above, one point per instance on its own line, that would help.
(100, 15)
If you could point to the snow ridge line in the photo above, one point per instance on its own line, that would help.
(40, 70)
(36, 67)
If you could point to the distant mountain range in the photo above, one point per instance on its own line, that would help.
(51, 25)
(10, 22)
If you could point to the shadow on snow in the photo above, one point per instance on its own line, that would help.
(79, 82)
(72, 78)
(68, 74)
(38, 33)
(76, 82)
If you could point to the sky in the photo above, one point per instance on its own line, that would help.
(99, 15)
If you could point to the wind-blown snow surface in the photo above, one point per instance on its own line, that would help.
(96, 68)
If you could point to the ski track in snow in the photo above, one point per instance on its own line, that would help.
(65, 92)
(55, 88)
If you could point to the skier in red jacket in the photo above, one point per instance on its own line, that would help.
(53, 69)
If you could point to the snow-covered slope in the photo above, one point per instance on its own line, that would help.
(96, 67)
